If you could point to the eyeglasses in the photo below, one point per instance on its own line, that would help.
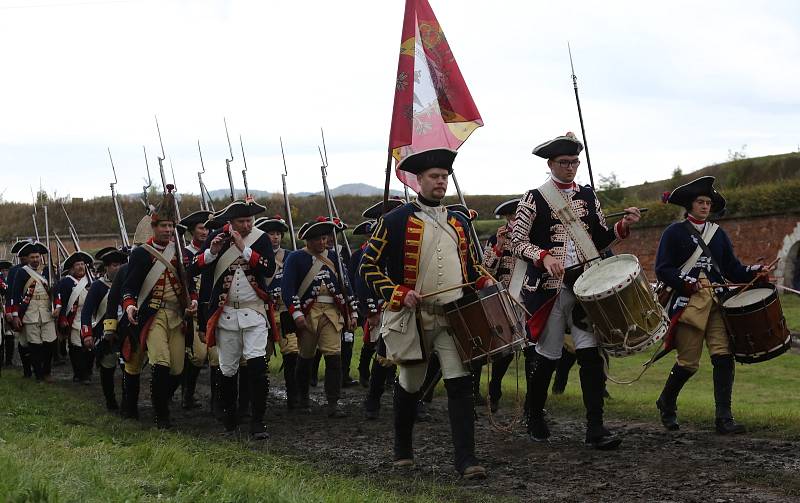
(565, 163)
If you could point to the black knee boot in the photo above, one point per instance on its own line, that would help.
(107, 384)
(405, 410)
(75, 359)
(565, 364)
(48, 350)
(462, 426)
(8, 346)
(346, 358)
(302, 377)
(229, 397)
(724, 369)
(160, 387)
(37, 360)
(499, 369)
(667, 402)
(189, 385)
(364, 360)
(290, 378)
(130, 395)
(315, 369)
(244, 394)
(432, 376)
(593, 385)
(259, 386)
(477, 369)
(377, 385)
(88, 363)
(333, 385)
(216, 405)
(538, 372)
(26, 360)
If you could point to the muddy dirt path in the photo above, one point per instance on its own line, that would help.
(651, 465)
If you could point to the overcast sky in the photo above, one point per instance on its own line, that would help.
(662, 85)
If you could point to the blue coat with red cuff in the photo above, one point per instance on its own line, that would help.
(391, 259)
(214, 295)
(97, 292)
(67, 314)
(20, 297)
(297, 265)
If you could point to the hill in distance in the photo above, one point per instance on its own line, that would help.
(348, 189)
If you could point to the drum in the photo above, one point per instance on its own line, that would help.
(755, 321)
(621, 305)
(485, 324)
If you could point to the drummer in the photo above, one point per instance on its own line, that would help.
(550, 247)
(694, 308)
(421, 248)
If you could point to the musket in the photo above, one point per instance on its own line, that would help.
(172, 172)
(73, 233)
(287, 208)
(244, 171)
(229, 161)
(180, 245)
(146, 188)
(50, 272)
(473, 232)
(123, 231)
(331, 202)
(60, 248)
(580, 117)
(205, 198)
(33, 216)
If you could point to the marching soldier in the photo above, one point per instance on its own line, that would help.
(418, 249)
(214, 373)
(321, 308)
(32, 314)
(94, 309)
(275, 227)
(499, 261)
(348, 338)
(551, 244)
(237, 262)
(196, 355)
(692, 255)
(6, 337)
(24, 352)
(71, 292)
(154, 312)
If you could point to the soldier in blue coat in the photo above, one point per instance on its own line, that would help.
(71, 292)
(694, 309)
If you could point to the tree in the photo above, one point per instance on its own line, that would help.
(610, 189)
(738, 155)
(677, 173)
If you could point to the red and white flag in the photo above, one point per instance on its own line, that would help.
(432, 105)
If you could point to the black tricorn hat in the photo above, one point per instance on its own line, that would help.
(239, 209)
(507, 208)
(213, 223)
(111, 255)
(322, 226)
(78, 256)
(688, 192)
(272, 224)
(460, 208)
(5, 264)
(561, 145)
(16, 247)
(189, 222)
(365, 228)
(29, 248)
(435, 158)
(376, 210)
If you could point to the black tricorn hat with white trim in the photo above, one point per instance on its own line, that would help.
(5, 264)
(434, 158)
(29, 248)
(507, 208)
(239, 209)
(16, 247)
(272, 224)
(78, 256)
(561, 145)
(460, 208)
(189, 222)
(704, 186)
(365, 228)
(376, 210)
(322, 226)
(111, 255)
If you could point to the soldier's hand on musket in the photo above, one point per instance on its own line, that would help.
(300, 323)
(202, 337)
(374, 321)
(88, 342)
(238, 240)
(632, 215)
(56, 312)
(411, 299)
(216, 243)
(553, 266)
(351, 324)
(192, 309)
(132, 312)
(16, 323)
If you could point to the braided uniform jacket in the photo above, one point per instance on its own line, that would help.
(499, 261)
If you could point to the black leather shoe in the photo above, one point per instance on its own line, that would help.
(726, 426)
(538, 430)
(422, 415)
(602, 439)
(669, 418)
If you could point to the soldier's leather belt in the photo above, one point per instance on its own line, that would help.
(325, 299)
(436, 309)
(255, 305)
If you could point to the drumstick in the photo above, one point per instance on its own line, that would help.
(757, 276)
(445, 290)
(515, 301)
(623, 213)
(788, 289)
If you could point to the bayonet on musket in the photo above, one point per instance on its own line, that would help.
(205, 198)
(51, 271)
(244, 171)
(580, 117)
(73, 233)
(123, 231)
(286, 206)
(33, 216)
(229, 161)
(331, 202)
(146, 188)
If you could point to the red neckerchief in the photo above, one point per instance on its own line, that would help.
(564, 186)
(694, 220)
